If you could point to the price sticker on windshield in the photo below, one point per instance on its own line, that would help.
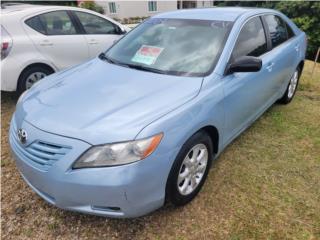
(147, 55)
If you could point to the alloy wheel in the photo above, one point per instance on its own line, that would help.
(33, 78)
(293, 84)
(192, 169)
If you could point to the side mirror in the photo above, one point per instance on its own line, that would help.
(245, 64)
(122, 30)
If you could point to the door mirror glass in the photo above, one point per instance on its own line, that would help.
(245, 64)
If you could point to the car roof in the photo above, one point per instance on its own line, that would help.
(25, 9)
(214, 13)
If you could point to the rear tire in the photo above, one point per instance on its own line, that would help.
(291, 88)
(190, 169)
(30, 76)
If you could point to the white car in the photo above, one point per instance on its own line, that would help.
(39, 40)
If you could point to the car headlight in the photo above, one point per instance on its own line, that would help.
(118, 153)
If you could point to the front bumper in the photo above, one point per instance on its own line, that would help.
(122, 191)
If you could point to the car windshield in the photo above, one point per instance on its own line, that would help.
(180, 47)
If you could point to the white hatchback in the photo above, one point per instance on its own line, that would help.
(39, 40)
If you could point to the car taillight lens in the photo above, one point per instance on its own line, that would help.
(6, 43)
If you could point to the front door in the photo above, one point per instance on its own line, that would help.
(248, 94)
(99, 32)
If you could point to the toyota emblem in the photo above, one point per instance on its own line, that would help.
(22, 135)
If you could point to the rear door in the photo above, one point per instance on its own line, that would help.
(56, 37)
(248, 94)
(99, 32)
(285, 51)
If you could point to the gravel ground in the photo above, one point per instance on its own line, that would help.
(266, 185)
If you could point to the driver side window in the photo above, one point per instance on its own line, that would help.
(251, 40)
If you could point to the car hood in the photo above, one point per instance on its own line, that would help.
(99, 102)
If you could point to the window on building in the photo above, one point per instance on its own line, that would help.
(251, 40)
(112, 7)
(152, 5)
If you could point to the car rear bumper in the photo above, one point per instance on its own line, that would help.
(10, 71)
(122, 191)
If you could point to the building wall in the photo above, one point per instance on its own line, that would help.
(127, 9)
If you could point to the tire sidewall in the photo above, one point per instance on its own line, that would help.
(172, 193)
(285, 98)
(26, 73)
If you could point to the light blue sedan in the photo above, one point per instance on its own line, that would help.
(141, 124)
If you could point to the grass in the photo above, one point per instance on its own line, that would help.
(266, 185)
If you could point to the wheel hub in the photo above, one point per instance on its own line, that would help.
(192, 169)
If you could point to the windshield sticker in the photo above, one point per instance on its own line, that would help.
(147, 55)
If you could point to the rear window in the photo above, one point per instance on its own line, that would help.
(277, 29)
(52, 23)
(290, 31)
(35, 24)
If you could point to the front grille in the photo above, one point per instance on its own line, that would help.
(39, 153)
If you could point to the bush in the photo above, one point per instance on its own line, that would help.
(306, 16)
(92, 6)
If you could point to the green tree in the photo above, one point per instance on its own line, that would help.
(307, 17)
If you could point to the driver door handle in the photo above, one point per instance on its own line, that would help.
(46, 43)
(270, 66)
(93, 41)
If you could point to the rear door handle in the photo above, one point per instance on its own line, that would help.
(93, 41)
(46, 43)
(269, 66)
(296, 48)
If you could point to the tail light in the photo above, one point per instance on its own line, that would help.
(6, 43)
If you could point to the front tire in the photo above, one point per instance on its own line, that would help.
(291, 88)
(190, 169)
(30, 76)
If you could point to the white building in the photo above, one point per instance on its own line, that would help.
(128, 9)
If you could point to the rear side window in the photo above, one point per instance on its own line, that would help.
(289, 31)
(251, 40)
(52, 23)
(277, 29)
(96, 25)
(36, 24)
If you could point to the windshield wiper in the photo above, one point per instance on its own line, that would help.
(104, 57)
(147, 69)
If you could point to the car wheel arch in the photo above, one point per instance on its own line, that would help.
(38, 64)
(300, 66)
(213, 133)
